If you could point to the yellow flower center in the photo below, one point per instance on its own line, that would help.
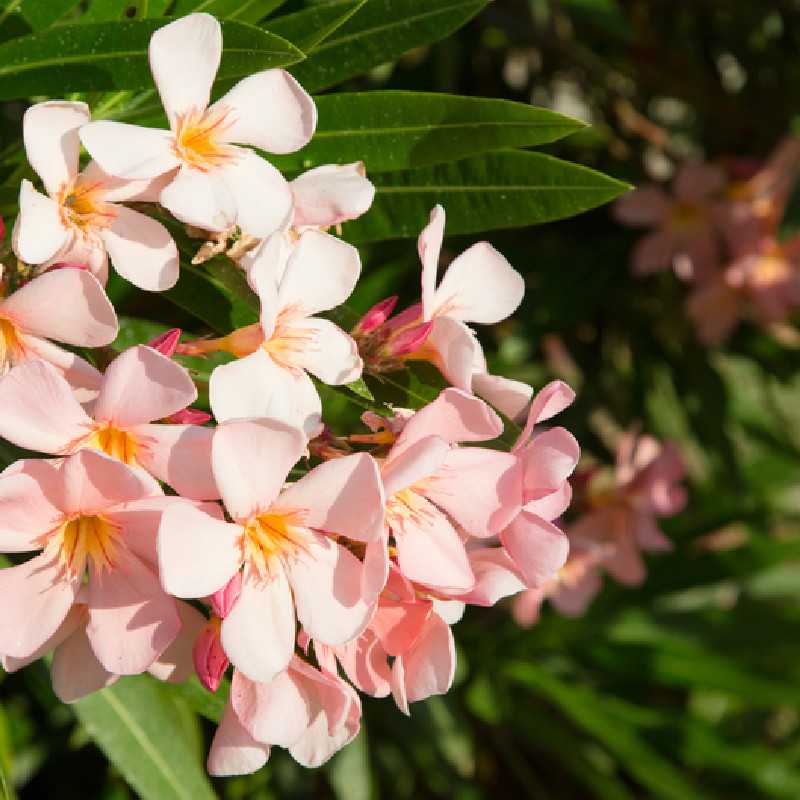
(83, 209)
(198, 139)
(408, 506)
(114, 442)
(84, 539)
(273, 536)
(288, 342)
(686, 217)
(11, 347)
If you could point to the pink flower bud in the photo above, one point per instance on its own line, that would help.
(189, 416)
(223, 601)
(67, 265)
(376, 316)
(166, 342)
(210, 661)
(2, 228)
(409, 340)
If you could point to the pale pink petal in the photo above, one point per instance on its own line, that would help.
(551, 506)
(233, 750)
(68, 305)
(266, 264)
(696, 181)
(269, 110)
(455, 416)
(480, 489)
(251, 459)
(179, 455)
(39, 410)
(141, 250)
(273, 713)
(122, 190)
(429, 246)
(510, 397)
(398, 624)
(36, 598)
(451, 611)
(129, 151)
(548, 461)
(643, 208)
(75, 617)
(548, 402)
(140, 386)
(202, 199)
(343, 496)
(184, 58)
(92, 482)
(496, 576)
(330, 354)
(574, 598)
(398, 685)
(38, 232)
(75, 671)
(456, 350)
(260, 193)
(376, 568)
(83, 378)
(420, 460)
(331, 194)
(176, 664)
(655, 252)
(321, 273)
(625, 564)
(430, 665)
(364, 662)
(50, 133)
(430, 551)
(89, 253)
(259, 633)
(28, 505)
(527, 607)
(537, 547)
(197, 554)
(255, 386)
(131, 620)
(326, 579)
(479, 286)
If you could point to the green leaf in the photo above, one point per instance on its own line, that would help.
(199, 699)
(349, 770)
(241, 10)
(308, 28)
(507, 189)
(135, 724)
(113, 55)
(395, 130)
(43, 13)
(381, 31)
(360, 389)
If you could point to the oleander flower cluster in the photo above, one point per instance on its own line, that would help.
(719, 230)
(313, 566)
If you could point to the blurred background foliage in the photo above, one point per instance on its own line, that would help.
(688, 687)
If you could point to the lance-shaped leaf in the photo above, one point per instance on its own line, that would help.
(391, 130)
(113, 55)
(241, 10)
(507, 189)
(308, 28)
(379, 32)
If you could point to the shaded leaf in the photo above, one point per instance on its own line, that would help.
(308, 28)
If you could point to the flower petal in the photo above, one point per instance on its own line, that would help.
(551, 400)
(429, 667)
(548, 461)
(508, 396)
(129, 151)
(38, 232)
(644, 207)
(50, 133)
(259, 633)
(251, 459)
(234, 751)
(141, 385)
(429, 246)
(202, 199)
(364, 662)
(456, 350)
(420, 460)
(343, 496)
(269, 110)
(75, 671)
(28, 505)
(321, 273)
(331, 194)
(537, 548)
(39, 410)
(496, 576)
(141, 250)
(176, 663)
(330, 354)
(82, 377)
(184, 59)
(197, 554)
(68, 305)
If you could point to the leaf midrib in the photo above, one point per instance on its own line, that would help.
(482, 188)
(438, 127)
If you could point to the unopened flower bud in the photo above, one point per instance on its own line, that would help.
(166, 342)
(376, 316)
(223, 600)
(210, 660)
(409, 340)
(67, 265)
(189, 416)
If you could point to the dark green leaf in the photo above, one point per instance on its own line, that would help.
(381, 31)
(43, 13)
(135, 724)
(307, 28)
(108, 55)
(399, 130)
(499, 190)
(241, 10)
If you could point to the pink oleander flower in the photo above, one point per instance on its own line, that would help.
(40, 413)
(623, 518)
(438, 494)
(686, 231)
(75, 670)
(286, 539)
(66, 305)
(94, 520)
(322, 198)
(270, 377)
(216, 184)
(81, 219)
(312, 713)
